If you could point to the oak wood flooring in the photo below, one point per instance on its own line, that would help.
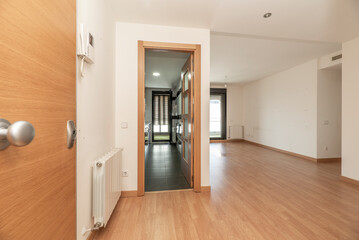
(256, 193)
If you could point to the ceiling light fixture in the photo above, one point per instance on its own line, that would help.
(156, 74)
(267, 15)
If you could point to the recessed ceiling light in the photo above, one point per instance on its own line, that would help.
(156, 74)
(267, 15)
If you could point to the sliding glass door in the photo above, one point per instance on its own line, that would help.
(161, 112)
(218, 119)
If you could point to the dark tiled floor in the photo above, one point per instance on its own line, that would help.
(163, 168)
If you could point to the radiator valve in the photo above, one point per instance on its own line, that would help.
(96, 227)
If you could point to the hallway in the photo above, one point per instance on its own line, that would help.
(163, 168)
(256, 194)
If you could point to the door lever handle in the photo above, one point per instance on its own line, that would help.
(19, 133)
(71, 133)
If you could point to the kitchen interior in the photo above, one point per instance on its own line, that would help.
(163, 122)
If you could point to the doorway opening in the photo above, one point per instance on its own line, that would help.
(329, 114)
(168, 117)
(164, 169)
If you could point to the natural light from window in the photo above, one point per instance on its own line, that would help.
(215, 117)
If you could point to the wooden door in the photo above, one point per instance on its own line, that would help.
(38, 85)
(187, 120)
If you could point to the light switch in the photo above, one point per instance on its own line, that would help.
(124, 125)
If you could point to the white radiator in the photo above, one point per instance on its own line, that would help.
(106, 186)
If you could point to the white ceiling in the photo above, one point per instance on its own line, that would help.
(315, 20)
(241, 59)
(244, 45)
(168, 64)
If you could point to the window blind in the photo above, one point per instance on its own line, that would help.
(160, 113)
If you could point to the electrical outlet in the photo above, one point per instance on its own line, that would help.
(124, 173)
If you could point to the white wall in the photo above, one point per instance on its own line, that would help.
(329, 113)
(126, 90)
(234, 109)
(281, 110)
(350, 110)
(95, 104)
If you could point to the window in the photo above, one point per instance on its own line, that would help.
(215, 117)
(161, 116)
(217, 125)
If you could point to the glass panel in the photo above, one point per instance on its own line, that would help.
(186, 82)
(186, 151)
(156, 128)
(164, 128)
(186, 127)
(186, 104)
(215, 125)
(179, 104)
(179, 147)
(181, 129)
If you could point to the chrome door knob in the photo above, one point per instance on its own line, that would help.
(19, 133)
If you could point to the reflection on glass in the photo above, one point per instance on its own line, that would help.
(179, 104)
(186, 104)
(186, 77)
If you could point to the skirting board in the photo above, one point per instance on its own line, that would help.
(349, 180)
(127, 194)
(316, 160)
(205, 188)
(171, 191)
(325, 160)
(225, 140)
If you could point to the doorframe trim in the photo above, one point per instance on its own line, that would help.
(196, 50)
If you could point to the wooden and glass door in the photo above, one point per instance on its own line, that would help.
(187, 120)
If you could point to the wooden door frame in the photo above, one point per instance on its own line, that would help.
(196, 50)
